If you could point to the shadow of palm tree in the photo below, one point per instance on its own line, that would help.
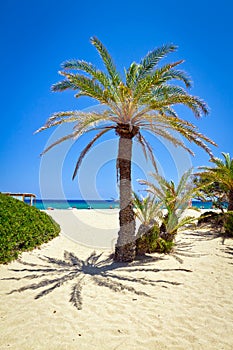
(229, 250)
(187, 249)
(200, 235)
(103, 272)
(229, 253)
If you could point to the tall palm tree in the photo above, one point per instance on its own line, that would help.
(144, 100)
(222, 173)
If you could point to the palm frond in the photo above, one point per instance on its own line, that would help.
(87, 124)
(156, 86)
(86, 149)
(150, 151)
(162, 132)
(169, 111)
(60, 140)
(196, 105)
(172, 227)
(131, 74)
(166, 68)
(148, 210)
(168, 90)
(83, 120)
(60, 118)
(156, 191)
(144, 86)
(140, 140)
(228, 160)
(138, 202)
(177, 75)
(188, 131)
(152, 58)
(89, 87)
(63, 85)
(107, 60)
(161, 118)
(226, 164)
(222, 172)
(90, 69)
(197, 138)
(182, 186)
(183, 128)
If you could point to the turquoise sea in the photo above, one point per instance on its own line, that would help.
(95, 204)
(79, 204)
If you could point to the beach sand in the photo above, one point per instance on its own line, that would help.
(180, 301)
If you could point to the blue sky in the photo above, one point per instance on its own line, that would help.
(37, 36)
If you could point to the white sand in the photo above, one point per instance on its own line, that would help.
(183, 310)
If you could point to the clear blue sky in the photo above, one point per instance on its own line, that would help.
(36, 36)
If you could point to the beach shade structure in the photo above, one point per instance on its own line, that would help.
(143, 100)
(23, 196)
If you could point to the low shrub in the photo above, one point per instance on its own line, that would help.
(224, 221)
(228, 224)
(151, 242)
(22, 228)
(164, 246)
(210, 217)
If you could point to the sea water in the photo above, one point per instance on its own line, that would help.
(78, 204)
(95, 204)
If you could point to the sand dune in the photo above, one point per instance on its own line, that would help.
(180, 301)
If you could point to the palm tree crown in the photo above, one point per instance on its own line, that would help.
(144, 101)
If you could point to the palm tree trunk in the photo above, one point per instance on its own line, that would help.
(125, 249)
(230, 200)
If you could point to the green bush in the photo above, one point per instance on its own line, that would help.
(211, 217)
(228, 225)
(164, 246)
(22, 228)
(151, 242)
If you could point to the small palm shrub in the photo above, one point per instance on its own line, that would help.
(175, 200)
(22, 228)
(148, 240)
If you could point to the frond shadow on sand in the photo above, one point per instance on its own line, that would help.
(228, 251)
(204, 233)
(52, 273)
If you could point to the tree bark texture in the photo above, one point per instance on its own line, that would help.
(125, 248)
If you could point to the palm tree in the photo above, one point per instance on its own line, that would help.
(222, 174)
(210, 191)
(144, 100)
(175, 199)
(149, 212)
